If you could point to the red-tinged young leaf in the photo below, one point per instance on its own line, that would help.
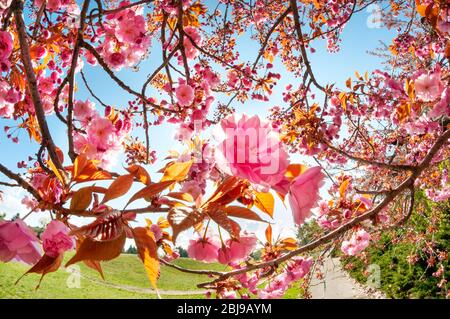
(45, 265)
(107, 226)
(140, 173)
(119, 187)
(183, 218)
(221, 218)
(269, 234)
(151, 190)
(81, 199)
(147, 249)
(241, 212)
(96, 266)
(98, 250)
(228, 191)
(177, 171)
(265, 202)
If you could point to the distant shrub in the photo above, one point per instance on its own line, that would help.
(410, 270)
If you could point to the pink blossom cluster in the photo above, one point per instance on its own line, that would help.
(125, 37)
(250, 148)
(18, 242)
(54, 5)
(442, 194)
(6, 47)
(50, 188)
(202, 170)
(296, 269)
(8, 98)
(209, 249)
(103, 139)
(357, 243)
(56, 239)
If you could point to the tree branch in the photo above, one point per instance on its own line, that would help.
(17, 7)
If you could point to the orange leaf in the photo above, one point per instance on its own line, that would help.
(150, 190)
(140, 173)
(230, 189)
(86, 170)
(81, 199)
(147, 249)
(79, 164)
(294, 170)
(177, 171)
(45, 265)
(56, 171)
(119, 187)
(343, 99)
(98, 250)
(265, 202)
(181, 196)
(343, 187)
(269, 234)
(241, 212)
(182, 218)
(289, 243)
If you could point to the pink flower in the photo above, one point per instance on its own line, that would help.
(83, 110)
(203, 249)
(357, 243)
(7, 100)
(55, 239)
(52, 5)
(275, 289)
(18, 242)
(250, 148)
(189, 48)
(131, 29)
(298, 268)
(6, 45)
(443, 106)
(428, 87)
(237, 250)
(185, 94)
(304, 193)
(100, 130)
(115, 60)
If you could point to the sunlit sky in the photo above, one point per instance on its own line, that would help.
(357, 39)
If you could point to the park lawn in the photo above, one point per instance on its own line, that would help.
(125, 277)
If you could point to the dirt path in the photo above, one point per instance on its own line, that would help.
(337, 284)
(147, 290)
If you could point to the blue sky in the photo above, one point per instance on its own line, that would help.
(357, 39)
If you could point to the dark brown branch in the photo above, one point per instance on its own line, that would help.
(302, 45)
(17, 7)
(23, 183)
(75, 56)
(370, 162)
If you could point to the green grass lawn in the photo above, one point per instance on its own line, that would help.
(126, 271)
